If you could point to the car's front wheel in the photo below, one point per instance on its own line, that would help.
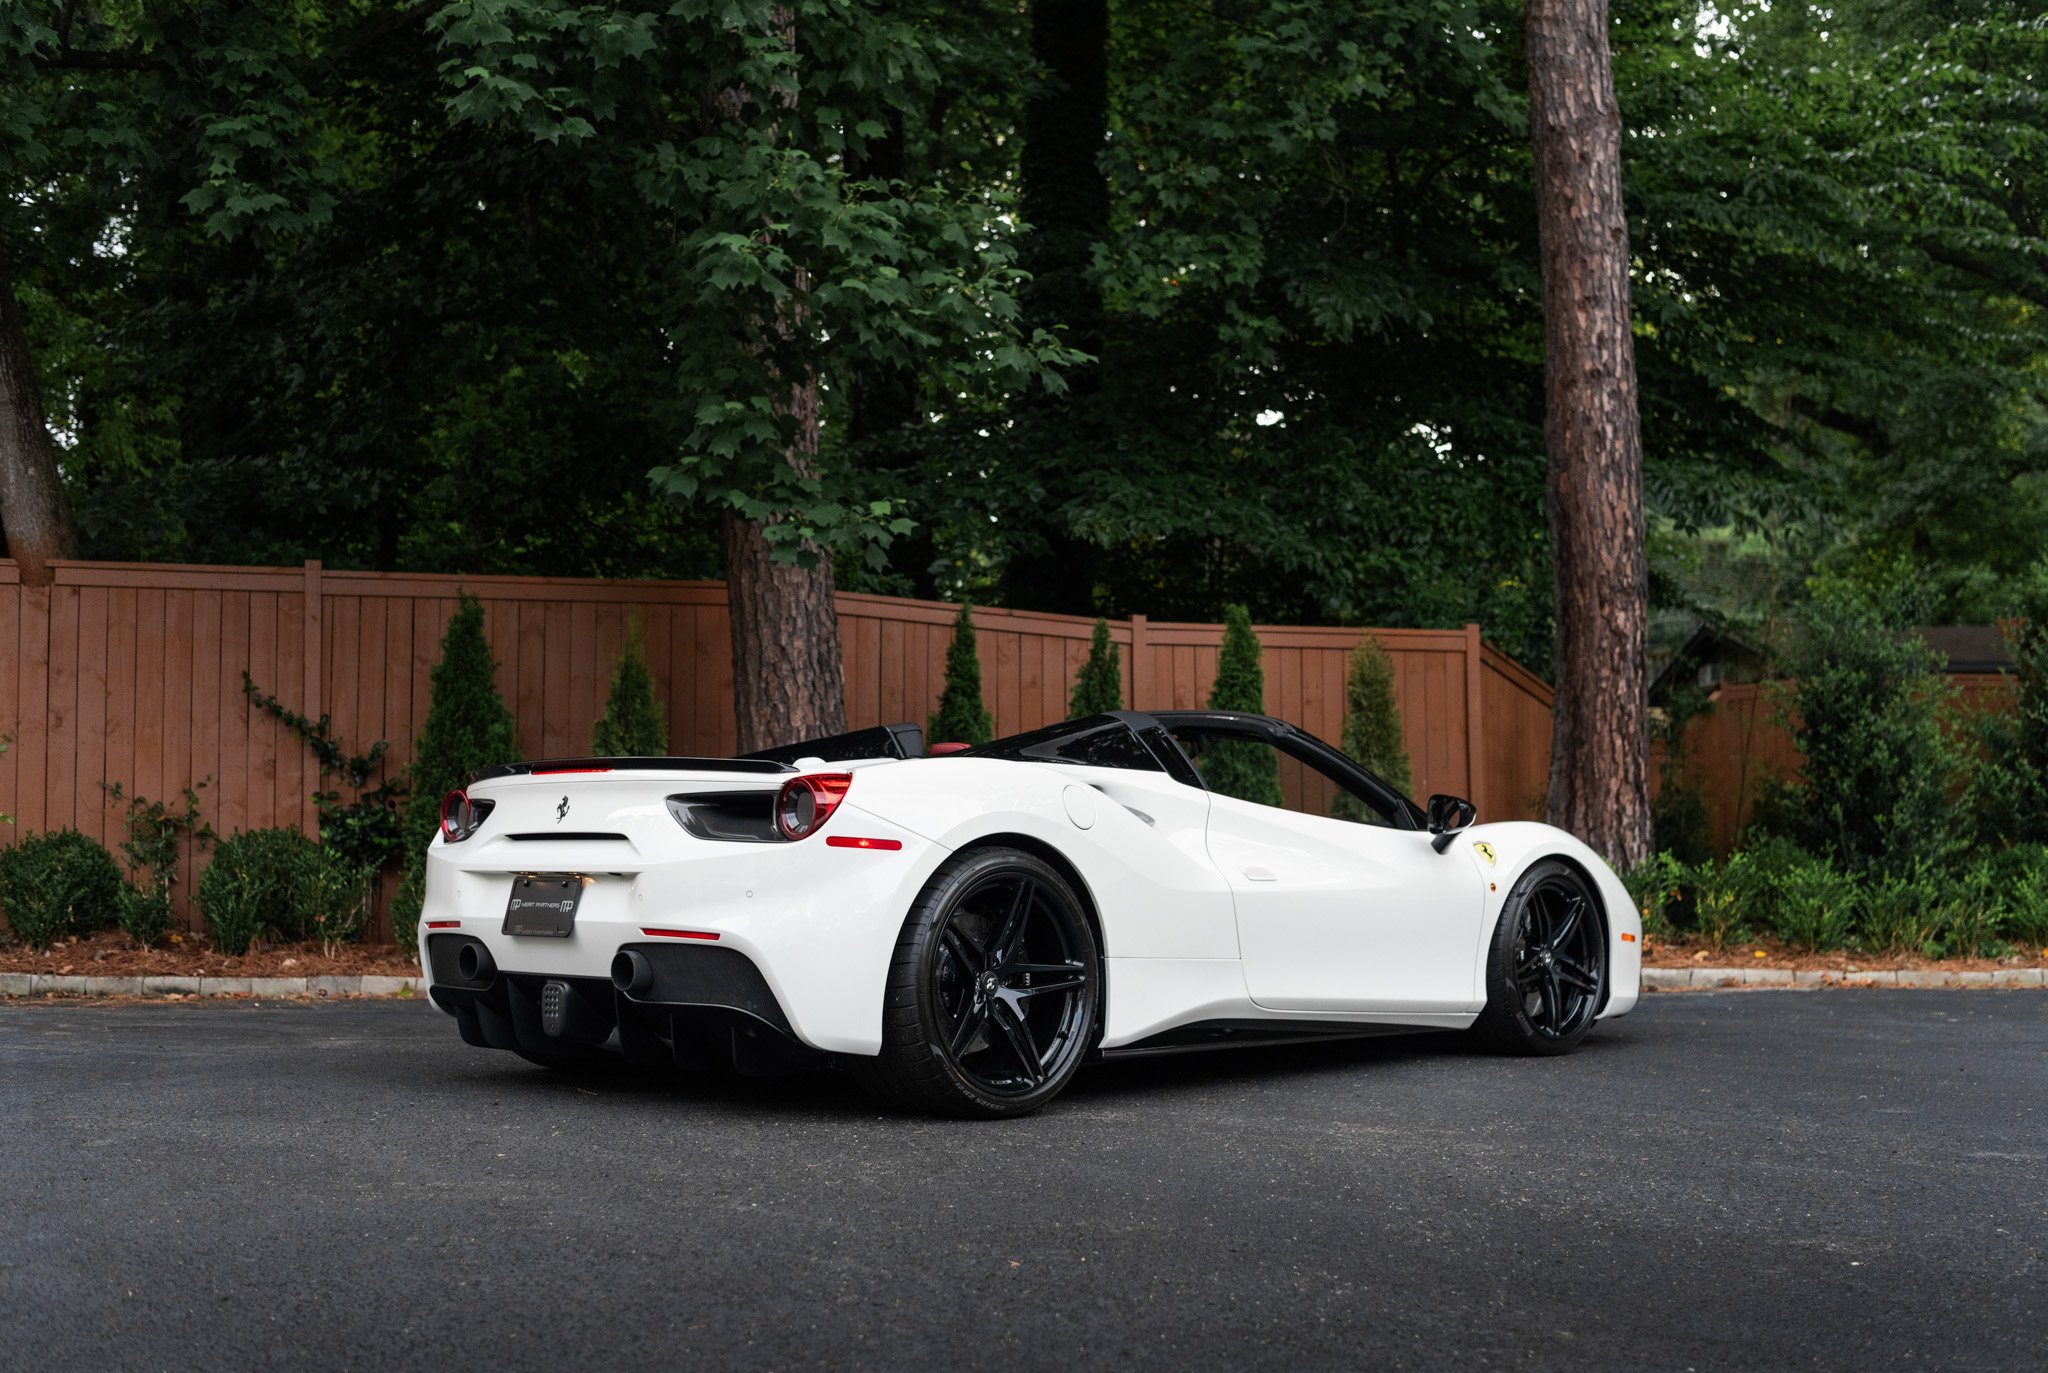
(1547, 966)
(993, 991)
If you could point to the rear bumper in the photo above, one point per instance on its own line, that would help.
(704, 1008)
(815, 924)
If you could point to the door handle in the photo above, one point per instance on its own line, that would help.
(1260, 875)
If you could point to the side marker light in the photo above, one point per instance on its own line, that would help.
(850, 841)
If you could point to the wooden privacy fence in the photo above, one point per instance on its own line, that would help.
(132, 674)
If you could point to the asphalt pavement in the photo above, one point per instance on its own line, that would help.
(1737, 1180)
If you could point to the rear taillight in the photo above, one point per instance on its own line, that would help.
(462, 817)
(806, 803)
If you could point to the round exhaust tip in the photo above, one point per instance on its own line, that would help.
(632, 973)
(474, 963)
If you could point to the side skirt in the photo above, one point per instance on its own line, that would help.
(1245, 1034)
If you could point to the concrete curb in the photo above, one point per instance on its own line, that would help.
(1675, 979)
(45, 984)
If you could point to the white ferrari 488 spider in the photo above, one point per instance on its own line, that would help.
(964, 931)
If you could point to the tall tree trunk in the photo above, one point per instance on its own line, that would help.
(1066, 205)
(34, 512)
(1600, 746)
(787, 680)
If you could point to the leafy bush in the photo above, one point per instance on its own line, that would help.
(56, 884)
(1244, 768)
(259, 881)
(1721, 894)
(1814, 906)
(1655, 885)
(1372, 724)
(1100, 685)
(334, 899)
(633, 724)
(467, 728)
(156, 838)
(961, 717)
(366, 829)
(2023, 872)
(1899, 913)
(1869, 700)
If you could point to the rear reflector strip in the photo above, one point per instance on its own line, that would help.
(848, 841)
(679, 934)
(444, 924)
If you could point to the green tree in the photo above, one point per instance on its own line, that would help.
(1372, 725)
(468, 727)
(1242, 768)
(1100, 685)
(1868, 705)
(961, 717)
(633, 724)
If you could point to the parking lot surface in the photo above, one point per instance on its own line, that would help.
(1823, 1179)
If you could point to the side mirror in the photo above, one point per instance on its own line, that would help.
(1448, 815)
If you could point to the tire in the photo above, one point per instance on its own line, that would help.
(1547, 967)
(993, 993)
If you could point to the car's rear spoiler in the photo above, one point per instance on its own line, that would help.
(883, 741)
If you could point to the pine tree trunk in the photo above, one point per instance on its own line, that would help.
(787, 680)
(1599, 766)
(34, 512)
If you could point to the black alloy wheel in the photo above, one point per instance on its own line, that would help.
(993, 992)
(1548, 964)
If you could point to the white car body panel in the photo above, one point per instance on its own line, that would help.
(1357, 924)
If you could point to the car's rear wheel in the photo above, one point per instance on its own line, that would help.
(1547, 967)
(993, 991)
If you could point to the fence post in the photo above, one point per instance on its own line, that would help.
(1476, 757)
(1141, 666)
(309, 813)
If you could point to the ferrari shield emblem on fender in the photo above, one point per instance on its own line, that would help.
(1485, 850)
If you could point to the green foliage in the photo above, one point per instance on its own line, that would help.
(156, 838)
(334, 899)
(1656, 885)
(1814, 906)
(1868, 705)
(633, 724)
(467, 728)
(365, 830)
(2022, 875)
(1721, 897)
(256, 884)
(1372, 726)
(57, 884)
(1900, 912)
(1246, 769)
(1100, 685)
(2012, 787)
(961, 717)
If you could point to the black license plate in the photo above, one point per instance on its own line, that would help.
(544, 905)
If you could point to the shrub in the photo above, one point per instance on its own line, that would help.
(1899, 913)
(961, 717)
(56, 884)
(1100, 686)
(1971, 915)
(1878, 766)
(1372, 725)
(2023, 876)
(1814, 906)
(1655, 885)
(1720, 896)
(334, 899)
(145, 914)
(259, 881)
(467, 728)
(1243, 768)
(156, 837)
(633, 724)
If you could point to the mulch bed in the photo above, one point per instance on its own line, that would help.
(111, 954)
(1769, 953)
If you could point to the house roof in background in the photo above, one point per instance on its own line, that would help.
(1969, 648)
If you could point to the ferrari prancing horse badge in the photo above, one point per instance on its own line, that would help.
(1485, 851)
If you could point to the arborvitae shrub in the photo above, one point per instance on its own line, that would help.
(1100, 685)
(633, 724)
(56, 884)
(467, 728)
(260, 881)
(1372, 726)
(1242, 768)
(961, 717)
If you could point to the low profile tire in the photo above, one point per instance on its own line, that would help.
(993, 991)
(1547, 967)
